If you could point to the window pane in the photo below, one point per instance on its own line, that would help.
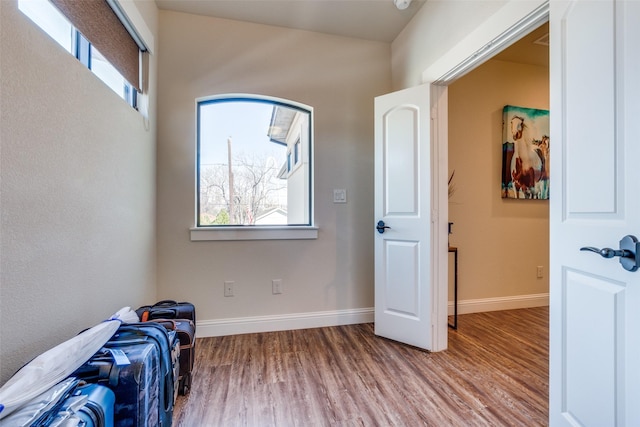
(244, 178)
(47, 17)
(107, 72)
(44, 14)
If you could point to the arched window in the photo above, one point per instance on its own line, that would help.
(254, 162)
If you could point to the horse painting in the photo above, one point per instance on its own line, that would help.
(525, 168)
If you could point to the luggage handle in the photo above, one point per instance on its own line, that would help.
(162, 321)
(162, 314)
(165, 302)
(148, 315)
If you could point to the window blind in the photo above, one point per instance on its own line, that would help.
(100, 25)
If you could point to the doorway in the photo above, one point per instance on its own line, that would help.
(503, 244)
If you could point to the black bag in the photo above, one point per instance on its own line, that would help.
(185, 330)
(167, 309)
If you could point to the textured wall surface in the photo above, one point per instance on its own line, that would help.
(77, 195)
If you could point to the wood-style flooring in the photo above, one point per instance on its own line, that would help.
(494, 373)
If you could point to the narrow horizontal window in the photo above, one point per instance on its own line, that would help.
(62, 20)
(97, 21)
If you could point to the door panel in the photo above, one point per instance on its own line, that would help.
(402, 200)
(402, 285)
(595, 321)
(596, 304)
(590, 24)
(401, 153)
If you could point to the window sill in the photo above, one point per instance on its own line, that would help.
(254, 233)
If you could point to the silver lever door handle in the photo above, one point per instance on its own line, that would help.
(606, 252)
(629, 252)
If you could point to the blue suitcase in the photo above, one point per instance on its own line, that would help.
(144, 388)
(99, 409)
(169, 347)
(136, 385)
(71, 402)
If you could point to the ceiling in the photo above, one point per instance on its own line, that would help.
(377, 20)
(530, 49)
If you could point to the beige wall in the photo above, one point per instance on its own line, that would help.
(437, 27)
(337, 76)
(77, 194)
(500, 241)
(445, 33)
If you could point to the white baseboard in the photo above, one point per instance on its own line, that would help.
(500, 303)
(320, 319)
(283, 322)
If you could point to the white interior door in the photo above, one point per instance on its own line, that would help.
(403, 292)
(595, 201)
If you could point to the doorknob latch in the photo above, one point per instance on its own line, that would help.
(629, 252)
(381, 227)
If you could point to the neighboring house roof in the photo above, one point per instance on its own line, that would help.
(275, 216)
(281, 120)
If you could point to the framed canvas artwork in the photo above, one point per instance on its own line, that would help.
(525, 153)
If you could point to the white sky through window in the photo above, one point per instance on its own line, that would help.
(247, 123)
(49, 18)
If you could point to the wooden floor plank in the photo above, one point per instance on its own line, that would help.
(494, 373)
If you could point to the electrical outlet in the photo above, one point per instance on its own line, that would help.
(228, 288)
(276, 286)
(539, 272)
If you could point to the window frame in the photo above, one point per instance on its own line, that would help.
(81, 48)
(254, 232)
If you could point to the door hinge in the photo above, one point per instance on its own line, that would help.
(434, 216)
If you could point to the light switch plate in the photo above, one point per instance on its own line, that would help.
(339, 195)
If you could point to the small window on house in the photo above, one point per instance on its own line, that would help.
(100, 19)
(245, 175)
(296, 152)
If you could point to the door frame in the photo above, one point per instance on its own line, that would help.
(511, 23)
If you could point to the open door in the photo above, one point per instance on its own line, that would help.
(595, 202)
(403, 291)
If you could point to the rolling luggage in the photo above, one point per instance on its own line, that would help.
(53, 366)
(136, 384)
(98, 411)
(185, 330)
(136, 364)
(185, 314)
(44, 408)
(169, 349)
(71, 402)
(167, 309)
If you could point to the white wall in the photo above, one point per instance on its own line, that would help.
(500, 241)
(437, 27)
(77, 194)
(337, 76)
(444, 33)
